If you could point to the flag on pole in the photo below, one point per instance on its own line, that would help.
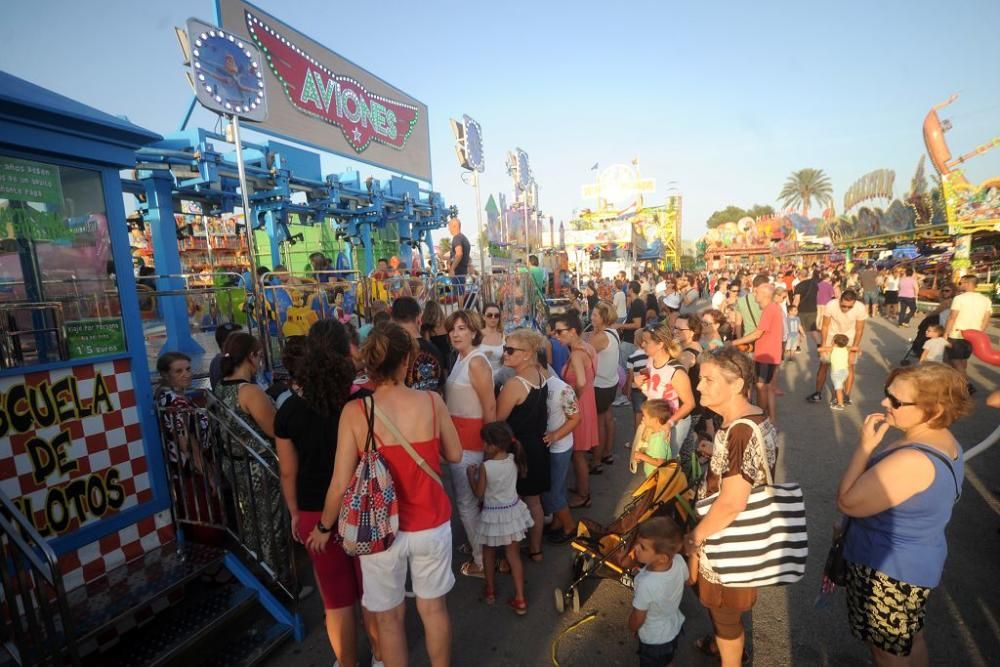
(635, 162)
(594, 168)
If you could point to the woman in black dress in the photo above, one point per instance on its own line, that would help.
(523, 405)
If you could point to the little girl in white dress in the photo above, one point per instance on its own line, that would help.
(504, 519)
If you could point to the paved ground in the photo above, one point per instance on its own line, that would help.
(788, 628)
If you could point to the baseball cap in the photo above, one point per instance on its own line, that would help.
(223, 330)
(672, 300)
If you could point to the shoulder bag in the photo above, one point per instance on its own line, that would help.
(766, 544)
(748, 347)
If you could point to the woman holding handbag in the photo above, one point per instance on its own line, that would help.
(411, 443)
(899, 499)
(740, 461)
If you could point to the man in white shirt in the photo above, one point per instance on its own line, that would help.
(619, 301)
(719, 298)
(969, 310)
(847, 316)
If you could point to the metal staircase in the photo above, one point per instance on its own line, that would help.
(224, 593)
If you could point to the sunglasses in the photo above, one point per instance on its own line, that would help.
(894, 402)
(559, 332)
(492, 316)
(508, 350)
(681, 329)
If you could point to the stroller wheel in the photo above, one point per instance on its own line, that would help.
(560, 601)
(576, 600)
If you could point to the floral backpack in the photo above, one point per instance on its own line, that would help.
(369, 514)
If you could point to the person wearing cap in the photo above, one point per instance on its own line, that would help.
(215, 367)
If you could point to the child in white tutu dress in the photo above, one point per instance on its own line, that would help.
(505, 518)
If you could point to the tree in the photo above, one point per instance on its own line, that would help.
(804, 187)
(733, 213)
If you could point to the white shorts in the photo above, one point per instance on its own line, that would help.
(427, 556)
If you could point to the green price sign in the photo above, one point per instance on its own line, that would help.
(93, 337)
(27, 181)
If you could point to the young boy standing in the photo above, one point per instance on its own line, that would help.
(840, 364)
(935, 345)
(796, 333)
(656, 617)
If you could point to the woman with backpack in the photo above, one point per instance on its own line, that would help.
(412, 431)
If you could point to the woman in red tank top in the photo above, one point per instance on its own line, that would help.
(422, 547)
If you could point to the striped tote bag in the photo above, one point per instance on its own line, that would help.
(766, 544)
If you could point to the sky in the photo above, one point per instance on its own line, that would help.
(719, 101)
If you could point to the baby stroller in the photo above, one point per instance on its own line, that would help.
(604, 551)
(917, 346)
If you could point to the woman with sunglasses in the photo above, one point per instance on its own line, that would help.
(711, 320)
(471, 403)
(898, 499)
(579, 373)
(492, 345)
(666, 378)
(523, 404)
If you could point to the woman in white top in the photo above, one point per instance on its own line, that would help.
(665, 378)
(607, 344)
(563, 417)
(471, 403)
(493, 338)
(892, 294)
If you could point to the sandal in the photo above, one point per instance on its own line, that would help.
(503, 567)
(608, 460)
(535, 556)
(489, 596)
(470, 569)
(519, 605)
(596, 470)
(584, 502)
(706, 645)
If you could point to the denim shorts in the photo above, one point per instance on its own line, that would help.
(554, 499)
(657, 655)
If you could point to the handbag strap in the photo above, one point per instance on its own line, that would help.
(369, 405)
(414, 454)
(746, 298)
(757, 435)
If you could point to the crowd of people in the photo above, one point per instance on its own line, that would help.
(522, 422)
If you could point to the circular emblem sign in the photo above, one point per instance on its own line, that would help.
(227, 72)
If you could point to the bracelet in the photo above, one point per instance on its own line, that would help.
(321, 528)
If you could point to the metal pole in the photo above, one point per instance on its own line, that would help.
(483, 243)
(527, 230)
(255, 290)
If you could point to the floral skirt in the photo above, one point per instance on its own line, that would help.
(883, 611)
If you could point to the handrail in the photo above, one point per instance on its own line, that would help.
(208, 450)
(31, 622)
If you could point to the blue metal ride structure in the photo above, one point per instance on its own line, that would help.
(283, 180)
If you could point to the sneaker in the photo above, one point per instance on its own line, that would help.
(621, 402)
(837, 406)
(847, 400)
(815, 397)
(377, 663)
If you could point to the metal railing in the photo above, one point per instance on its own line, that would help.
(36, 628)
(31, 333)
(224, 476)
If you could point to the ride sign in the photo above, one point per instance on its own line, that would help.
(378, 123)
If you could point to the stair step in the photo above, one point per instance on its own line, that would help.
(173, 634)
(249, 646)
(101, 603)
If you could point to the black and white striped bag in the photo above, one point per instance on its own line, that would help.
(766, 544)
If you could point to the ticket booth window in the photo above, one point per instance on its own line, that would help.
(58, 297)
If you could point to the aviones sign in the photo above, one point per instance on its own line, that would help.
(333, 98)
(319, 98)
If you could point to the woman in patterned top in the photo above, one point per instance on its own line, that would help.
(736, 466)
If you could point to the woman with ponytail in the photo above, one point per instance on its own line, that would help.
(422, 546)
(305, 427)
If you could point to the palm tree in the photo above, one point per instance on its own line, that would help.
(805, 186)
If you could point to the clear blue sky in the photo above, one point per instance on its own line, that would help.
(726, 98)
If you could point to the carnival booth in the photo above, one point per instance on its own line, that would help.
(90, 548)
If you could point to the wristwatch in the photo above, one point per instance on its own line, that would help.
(321, 528)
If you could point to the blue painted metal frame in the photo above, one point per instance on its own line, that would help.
(51, 147)
(325, 149)
(267, 599)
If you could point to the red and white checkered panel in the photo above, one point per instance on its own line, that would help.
(103, 451)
